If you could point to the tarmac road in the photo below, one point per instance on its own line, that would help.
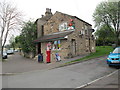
(19, 64)
(65, 77)
(108, 81)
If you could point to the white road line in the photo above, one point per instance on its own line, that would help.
(97, 79)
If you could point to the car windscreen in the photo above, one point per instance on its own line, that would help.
(117, 50)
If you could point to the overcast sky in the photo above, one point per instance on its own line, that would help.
(80, 8)
(35, 8)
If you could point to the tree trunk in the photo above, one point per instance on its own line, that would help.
(1, 53)
(117, 39)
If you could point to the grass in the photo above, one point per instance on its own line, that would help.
(100, 51)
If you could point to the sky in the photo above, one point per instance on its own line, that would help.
(33, 9)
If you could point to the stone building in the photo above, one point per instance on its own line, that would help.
(64, 34)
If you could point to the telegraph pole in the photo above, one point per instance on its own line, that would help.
(0, 49)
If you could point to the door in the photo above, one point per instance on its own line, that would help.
(39, 47)
(73, 47)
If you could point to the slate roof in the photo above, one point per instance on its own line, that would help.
(54, 36)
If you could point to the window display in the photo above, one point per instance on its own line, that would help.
(56, 45)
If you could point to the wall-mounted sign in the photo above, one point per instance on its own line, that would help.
(63, 26)
(67, 26)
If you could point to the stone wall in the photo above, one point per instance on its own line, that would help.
(40, 23)
(84, 43)
(52, 25)
(27, 55)
(63, 52)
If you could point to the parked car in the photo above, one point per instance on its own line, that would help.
(114, 57)
(10, 52)
(4, 55)
(16, 50)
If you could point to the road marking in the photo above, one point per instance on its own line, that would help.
(97, 79)
(7, 74)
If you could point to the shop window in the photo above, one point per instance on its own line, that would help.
(56, 45)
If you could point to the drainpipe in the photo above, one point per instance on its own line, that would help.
(89, 44)
(90, 32)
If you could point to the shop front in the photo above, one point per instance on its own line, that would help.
(54, 47)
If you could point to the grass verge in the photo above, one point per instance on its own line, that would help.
(100, 51)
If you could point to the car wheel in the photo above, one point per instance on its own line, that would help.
(118, 67)
(110, 65)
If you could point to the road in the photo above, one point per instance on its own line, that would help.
(19, 64)
(108, 81)
(65, 77)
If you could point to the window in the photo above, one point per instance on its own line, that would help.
(82, 32)
(63, 26)
(86, 29)
(56, 45)
(86, 32)
(117, 50)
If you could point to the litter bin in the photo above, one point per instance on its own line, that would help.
(40, 58)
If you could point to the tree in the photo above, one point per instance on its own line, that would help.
(17, 42)
(28, 35)
(10, 19)
(12, 42)
(108, 13)
(105, 35)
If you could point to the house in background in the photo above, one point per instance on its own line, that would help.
(64, 34)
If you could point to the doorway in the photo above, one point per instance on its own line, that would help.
(39, 47)
(73, 47)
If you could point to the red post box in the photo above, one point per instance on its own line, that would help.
(48, 56)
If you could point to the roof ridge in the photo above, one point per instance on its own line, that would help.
(73, 16)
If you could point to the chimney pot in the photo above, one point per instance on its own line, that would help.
(42, 16)
(48, 12)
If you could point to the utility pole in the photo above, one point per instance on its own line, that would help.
(0, 49)
(0, 63)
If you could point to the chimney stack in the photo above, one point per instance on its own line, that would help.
(48, 12)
